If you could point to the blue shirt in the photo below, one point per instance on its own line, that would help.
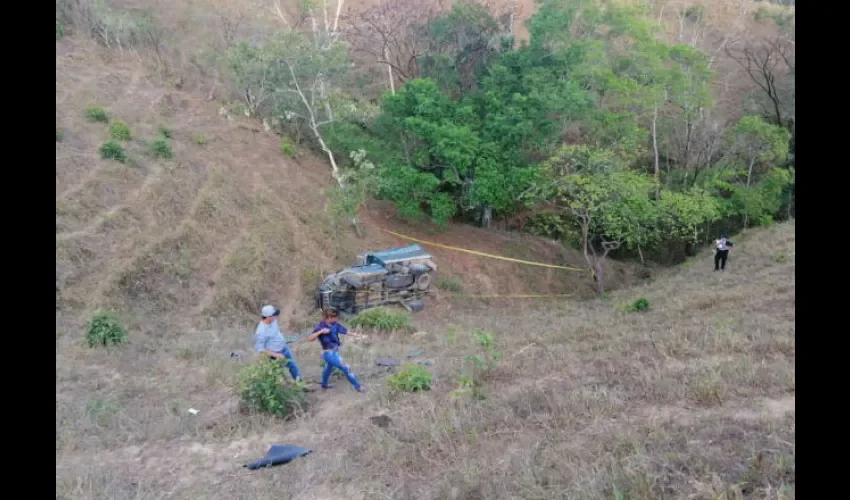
(269, 338)
(330, 340)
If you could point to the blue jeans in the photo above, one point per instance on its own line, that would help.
(290, 363)
(333, 360)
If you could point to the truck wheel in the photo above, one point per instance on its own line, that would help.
(423, 282)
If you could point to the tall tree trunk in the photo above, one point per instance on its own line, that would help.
(749, 180)
(590, 257)
(656, 164)
(390, 76)
(487, 217)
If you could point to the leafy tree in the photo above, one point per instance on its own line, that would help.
(292, 77)
(757, 142)
(610, 207)
(462, 43)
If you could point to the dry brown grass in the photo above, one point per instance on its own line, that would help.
(693, 399)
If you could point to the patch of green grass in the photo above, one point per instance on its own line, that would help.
(265, 388)
(60, 31)
(105, 329)
(449, 284)
(160, 148)
(102, 411)
(120, 131)
(113, 150)
(200, 140)
(411, 378)
(640, 305)
(97, 114)
(164, 131)
(286, 147)
(381, 319)
(59, 134)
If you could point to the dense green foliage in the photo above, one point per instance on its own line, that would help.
(104, 330)
(265, 388)
(595, 118)
(411, 378)
(113, 150)
(381, 319)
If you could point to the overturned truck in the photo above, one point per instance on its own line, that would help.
(396, 276)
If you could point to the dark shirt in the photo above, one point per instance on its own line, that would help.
(330, 340)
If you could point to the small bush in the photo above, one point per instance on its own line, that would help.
(640, 305)
(411, 378)
(112, 150)
(97, 114)
(265, 388)
(286, 147)
(481, 364)
(60, 31)
(200, 140)
(164, 131)
(160, 148)
(105, 329)
(449, 284)
(58, 134)
(381, 319)
(489, 356)
(119, 131)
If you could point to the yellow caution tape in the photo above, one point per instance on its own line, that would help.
(482, 296)
(509, 296)
(482, 254)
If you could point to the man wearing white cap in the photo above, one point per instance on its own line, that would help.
(269, 341)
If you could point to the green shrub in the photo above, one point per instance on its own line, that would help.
(381, 319)
(105, 329)
(640, 305)
(471, 380)
(164, 131)
(265, 388)
(200, 140)
(160, 148)
(58, 134)
(112, 150)
(119, 131)
(449, 284)
(97, 114)
(286, 147)
(410, 378)
(489, 356)
(60, 31)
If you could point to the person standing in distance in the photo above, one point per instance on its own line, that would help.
(269, 341)
(721, 252)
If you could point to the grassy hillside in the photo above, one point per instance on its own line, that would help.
(694, 398)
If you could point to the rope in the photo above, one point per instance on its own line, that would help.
(482, 254)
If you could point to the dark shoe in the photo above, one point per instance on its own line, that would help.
(361, 390)
(329, 386)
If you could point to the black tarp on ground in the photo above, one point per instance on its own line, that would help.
(279, 454)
